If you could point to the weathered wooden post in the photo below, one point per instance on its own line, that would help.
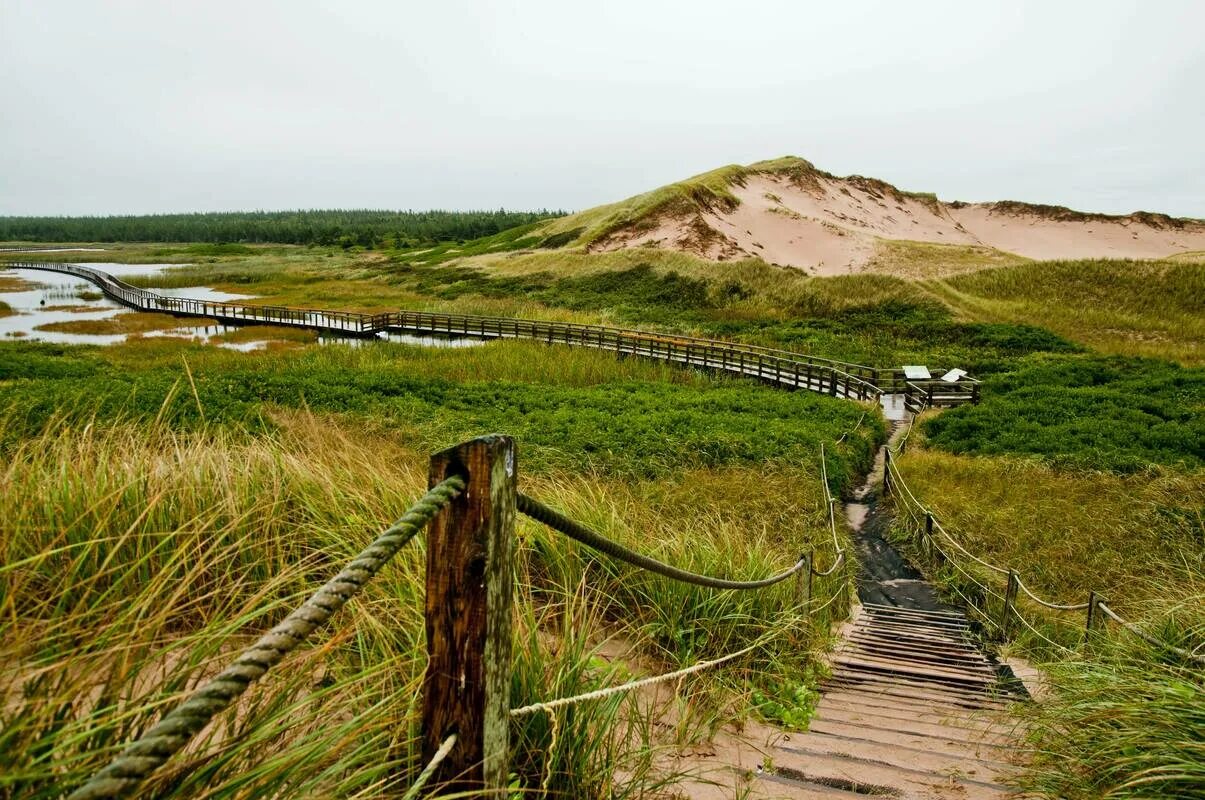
(1010, 599)
(470, 553)
(1092, 602)
(886, 471)
(805, 580)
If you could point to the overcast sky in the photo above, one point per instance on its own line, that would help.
(115, 107)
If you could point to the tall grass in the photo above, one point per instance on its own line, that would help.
(1124, 721)
(1135, 308)
(138, 559)
(1123, 718)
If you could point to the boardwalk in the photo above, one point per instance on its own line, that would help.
(779, 367)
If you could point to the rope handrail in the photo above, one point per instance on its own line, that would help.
(1013, 576)
(429, 770)
(832, 521)
(598, 694)
(1146, 637)
(1055, 606)
(150, 751)
(583, 535)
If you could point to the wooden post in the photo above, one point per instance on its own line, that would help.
(1092, 601)
(1010, 599)
(832, 382)
(886, 471)
(805, 579)
(470, 553)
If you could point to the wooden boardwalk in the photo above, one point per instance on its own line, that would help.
(913, 710)
(779, 367)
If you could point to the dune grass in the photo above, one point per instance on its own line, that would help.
(1120, 718)
(1125, 723)
(1137, 308)
(140, 570)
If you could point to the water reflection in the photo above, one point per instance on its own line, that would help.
(52, 297)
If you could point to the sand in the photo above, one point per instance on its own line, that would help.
(834, 226)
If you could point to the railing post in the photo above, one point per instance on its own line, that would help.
(470, 553)
(1010, 599)
(1092, 601)
(832, 382)
(805, 581)
(886, 471)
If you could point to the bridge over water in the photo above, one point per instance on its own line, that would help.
(781, 368)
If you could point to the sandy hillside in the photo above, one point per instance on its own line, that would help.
(787, 212)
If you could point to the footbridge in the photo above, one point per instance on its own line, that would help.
(781, 368)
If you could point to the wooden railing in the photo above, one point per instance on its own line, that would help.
(780, 367)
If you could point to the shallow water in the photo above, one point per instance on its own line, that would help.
(34, 307)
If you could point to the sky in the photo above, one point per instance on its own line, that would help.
(143, 107)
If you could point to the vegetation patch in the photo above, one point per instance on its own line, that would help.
(125, 322)
(1119, 414)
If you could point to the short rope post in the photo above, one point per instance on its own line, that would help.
(886, 471)
(470, 555)
(1010, 599)
(805, 580)
(1093, 600)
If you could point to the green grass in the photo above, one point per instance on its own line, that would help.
(1137, 308)
(571, 408)
(144, 566)
(1100, 413)
(1125, 723)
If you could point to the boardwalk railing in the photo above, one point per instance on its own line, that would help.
(998, 605)
(469, 512)
(780, 367)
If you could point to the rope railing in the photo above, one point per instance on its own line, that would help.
(416, 788)
(151, 750)
(583, 535)
(599, 694)
(1014, 580)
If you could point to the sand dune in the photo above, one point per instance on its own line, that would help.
(830, 225)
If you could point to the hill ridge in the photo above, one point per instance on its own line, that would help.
(787, 211)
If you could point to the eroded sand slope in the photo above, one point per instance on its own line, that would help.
(829, 225)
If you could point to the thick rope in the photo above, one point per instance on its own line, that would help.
(177, 728)
(1146, 637)
(429, 770)
(580, 533)
(598, 694)
(1055, 606)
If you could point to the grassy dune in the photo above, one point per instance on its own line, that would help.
(1135, 308)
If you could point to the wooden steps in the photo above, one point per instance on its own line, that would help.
(914, 709)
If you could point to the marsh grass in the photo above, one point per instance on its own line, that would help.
(130, 322)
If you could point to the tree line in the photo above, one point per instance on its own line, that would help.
(362, 227)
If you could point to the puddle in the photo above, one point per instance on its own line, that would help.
(893, 407)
